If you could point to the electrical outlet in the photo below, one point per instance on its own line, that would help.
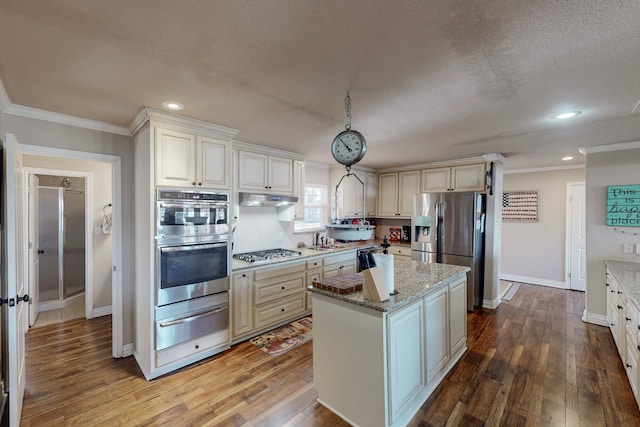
(637, 248)
(628, 248)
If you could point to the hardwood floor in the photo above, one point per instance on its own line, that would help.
(530, 362)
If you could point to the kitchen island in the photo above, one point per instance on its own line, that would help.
(376, 363)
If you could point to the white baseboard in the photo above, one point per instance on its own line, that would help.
(101, 311)
(596, 319)
(534, 281)
(127, 350)
(59, 303)
(491, 304)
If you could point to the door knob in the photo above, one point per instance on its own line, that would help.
(40, 251)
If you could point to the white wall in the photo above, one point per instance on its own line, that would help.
(101, 249)
(606, 242)
(43, 133)
(534, 252)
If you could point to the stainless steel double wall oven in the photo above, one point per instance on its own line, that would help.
(192, 265)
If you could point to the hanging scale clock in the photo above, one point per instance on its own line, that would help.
(348, 146)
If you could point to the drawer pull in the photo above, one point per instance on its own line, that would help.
(619, 307)
(282, 310)
(628, 319)
(192, 318)
(283, 288)
(628, 366)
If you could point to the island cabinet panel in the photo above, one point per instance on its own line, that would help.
(406, 362)
(437, 316)
(457, 317)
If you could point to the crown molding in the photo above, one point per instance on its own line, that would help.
(179, 122)
(265, 150)
(8, 107)
(543, 169)
(610, 147)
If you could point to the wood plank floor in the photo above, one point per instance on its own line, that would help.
(530, 362)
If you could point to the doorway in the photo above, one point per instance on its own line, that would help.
(576, 246)
(61, 245)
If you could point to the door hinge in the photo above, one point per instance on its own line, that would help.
(114, 268)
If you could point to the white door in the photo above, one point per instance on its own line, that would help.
(15, 312)
(578, 240)
(34, 248)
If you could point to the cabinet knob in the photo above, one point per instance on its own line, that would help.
(619, 307)
(282, 310)
(199, 183)
(283, 288)
(628, 319)
(619, 292)
(244, 275)
(197, 346)
(628, 366)
(193, 183)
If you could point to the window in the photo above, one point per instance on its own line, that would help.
(315, 209)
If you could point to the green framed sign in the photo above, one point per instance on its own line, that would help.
(623, 205)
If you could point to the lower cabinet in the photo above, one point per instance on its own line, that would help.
(437, 318)
(623, 317)
(241, 304)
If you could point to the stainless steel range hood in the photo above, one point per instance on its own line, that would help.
(261, 199)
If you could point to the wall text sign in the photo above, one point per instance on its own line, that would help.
(623, 205)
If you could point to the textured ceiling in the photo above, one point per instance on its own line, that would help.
(430, 80)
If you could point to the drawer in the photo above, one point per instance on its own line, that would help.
(631, 322)
(278, 287)
(339, 269)
(276, 311)
(314, 263)
(400, 250)
(313, 275)
(271, 272)
(189, 348)
(340, 258)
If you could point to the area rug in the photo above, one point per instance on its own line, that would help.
(284, 338)
(511, 292)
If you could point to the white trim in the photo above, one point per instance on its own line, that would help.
(610, 147)
(597, 319)
(58, 304)
(534, 281)
(491, 304)
(179, 122)
(493, 157)
(127, 350)
(263, 149)
(50, 116)
(116, 278)
(101, 311)
(546, 169)
(5, 101)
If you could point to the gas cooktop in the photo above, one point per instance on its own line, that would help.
(266, 255)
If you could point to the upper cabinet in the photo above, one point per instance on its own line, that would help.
(357, 194)
(455, 178)
(395, 193)
(261, 172)
(191, 160)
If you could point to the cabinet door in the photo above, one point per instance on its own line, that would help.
(353, 195)
(241, 304)
(409, 184)
(298, 189)
(458, 316)
(252, 171)
(371, 188)
(437, 345)
(213, 160)
(388, 195)
(468, 177)
(406, 369)
(436, 180)
(175, 158)
(280, 175)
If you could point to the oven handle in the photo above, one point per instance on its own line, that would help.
(192, 247)
(192, 318)
(193, 205)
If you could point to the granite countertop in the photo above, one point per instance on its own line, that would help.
(413, 280)
(306, 252)
(628, 275)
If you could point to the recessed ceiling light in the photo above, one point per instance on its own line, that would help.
(567, 158)
(567, 115)
(175, 106)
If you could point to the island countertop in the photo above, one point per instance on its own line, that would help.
(412, 280)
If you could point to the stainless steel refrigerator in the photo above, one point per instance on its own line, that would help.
(448, 228)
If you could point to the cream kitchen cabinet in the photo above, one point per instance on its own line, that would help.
(455, 178)
(262, 172)
(241, 304)
(338, 264)
(295, 212)
(400, 251)
(189, 160)
(395, 193)
(357, 194)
